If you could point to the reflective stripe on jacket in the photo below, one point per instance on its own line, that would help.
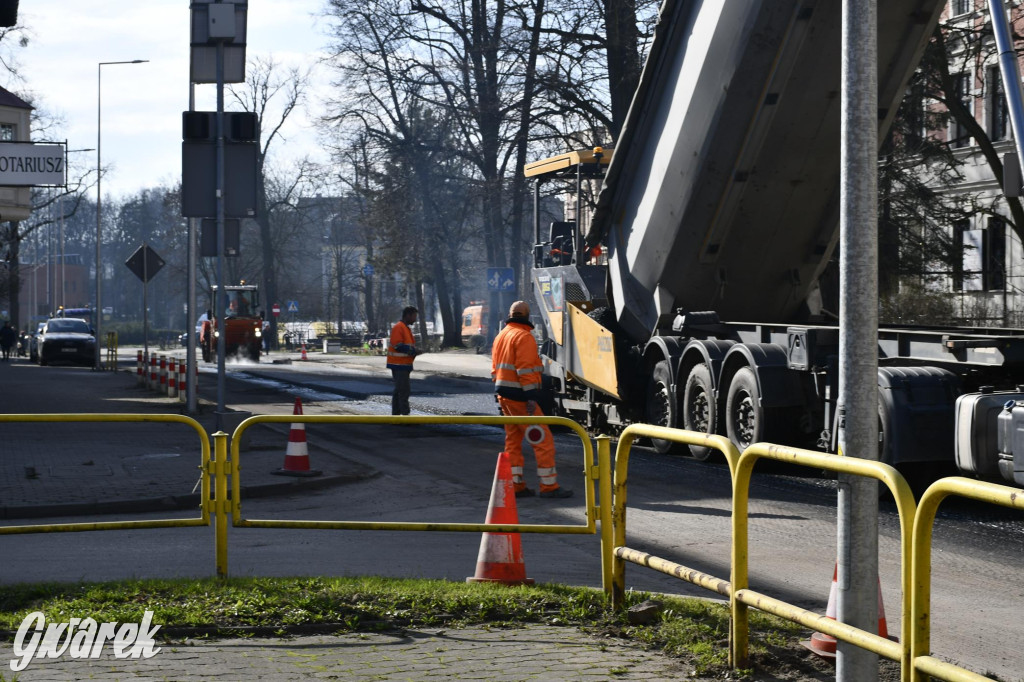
(400, 347)
(515, 364)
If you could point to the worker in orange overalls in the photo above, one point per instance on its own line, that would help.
(401, 351)
(516, 371)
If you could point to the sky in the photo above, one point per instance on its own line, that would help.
(142, 103)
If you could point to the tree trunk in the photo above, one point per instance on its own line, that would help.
(517, 251)
(452, 330)
(422, 317)
(623, 59)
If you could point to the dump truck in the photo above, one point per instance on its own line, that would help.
(690, 295)
(243, 323)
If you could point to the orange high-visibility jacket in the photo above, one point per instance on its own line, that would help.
(400, 347)
(515, 364)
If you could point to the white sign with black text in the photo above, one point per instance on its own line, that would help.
(25, 164)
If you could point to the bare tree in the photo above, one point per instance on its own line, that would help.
(273, 93)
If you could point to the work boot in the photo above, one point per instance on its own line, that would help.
(525, 492)
(557, 493)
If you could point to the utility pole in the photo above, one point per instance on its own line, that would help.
(857, 602)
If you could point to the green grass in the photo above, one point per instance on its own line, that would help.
(690, 629)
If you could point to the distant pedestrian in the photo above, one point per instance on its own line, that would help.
(8, 337)
(401, 351)
(516, 370)
(266, 334)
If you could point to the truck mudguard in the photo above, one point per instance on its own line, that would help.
(709, 352)
(779, 386)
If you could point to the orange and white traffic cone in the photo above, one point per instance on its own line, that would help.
(296, 458)
(500, 559)
(304, 352)
(825, 645)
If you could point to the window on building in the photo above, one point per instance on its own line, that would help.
(958, 7)
(960, 228)
(959, 135)
(914, 114)
(6, 132)
(981, 264)
(998, 115)
(995, 255)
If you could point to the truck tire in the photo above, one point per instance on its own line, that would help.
(698, 408)
(254, 352)
(744, 415)
(660, 404)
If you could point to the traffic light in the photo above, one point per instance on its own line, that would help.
(8, 12)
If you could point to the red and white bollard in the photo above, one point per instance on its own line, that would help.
(154, 371)
(163, 375)
(139, 375)
(172, 378)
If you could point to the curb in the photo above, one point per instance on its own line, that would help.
(146, 505)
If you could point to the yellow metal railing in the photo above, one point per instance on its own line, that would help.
(608, 504)
(742, 596)
(112, 349)
(921, 568)
(204, 466)
(616, 553)
(592, 472)
(912, 651)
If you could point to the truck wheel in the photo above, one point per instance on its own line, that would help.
(744, 416)
(660, 404)
(699, 413)
(254, 352)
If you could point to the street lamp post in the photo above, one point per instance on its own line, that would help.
(63, 279)
(99, 199)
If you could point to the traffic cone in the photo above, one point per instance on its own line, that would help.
(500, 559)
(296, 458)
(304, 352)
(825, 645)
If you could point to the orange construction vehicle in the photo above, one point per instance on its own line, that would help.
(243, 323)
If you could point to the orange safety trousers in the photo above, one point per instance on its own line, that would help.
(537, 435)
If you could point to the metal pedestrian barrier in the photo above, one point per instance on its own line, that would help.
(605, 494)
(743, 596)
(232, 504)
(912, 651)
(204, 466)
(921, 568)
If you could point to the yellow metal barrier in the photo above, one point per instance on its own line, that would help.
(742, 595)
(204, 518)
(617, 554)
(922, 661)
(592, 472)
(112, 349)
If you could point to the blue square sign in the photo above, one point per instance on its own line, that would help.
(501, 279)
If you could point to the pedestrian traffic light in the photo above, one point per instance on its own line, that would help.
(8, 12)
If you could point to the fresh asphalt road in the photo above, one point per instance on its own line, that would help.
(678, 508)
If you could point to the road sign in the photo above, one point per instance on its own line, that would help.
(293, 306)
(367, 270)
(501, 279)
(275, 309)
(145, 263)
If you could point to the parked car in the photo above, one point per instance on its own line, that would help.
(67, 339)
(33, 343)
